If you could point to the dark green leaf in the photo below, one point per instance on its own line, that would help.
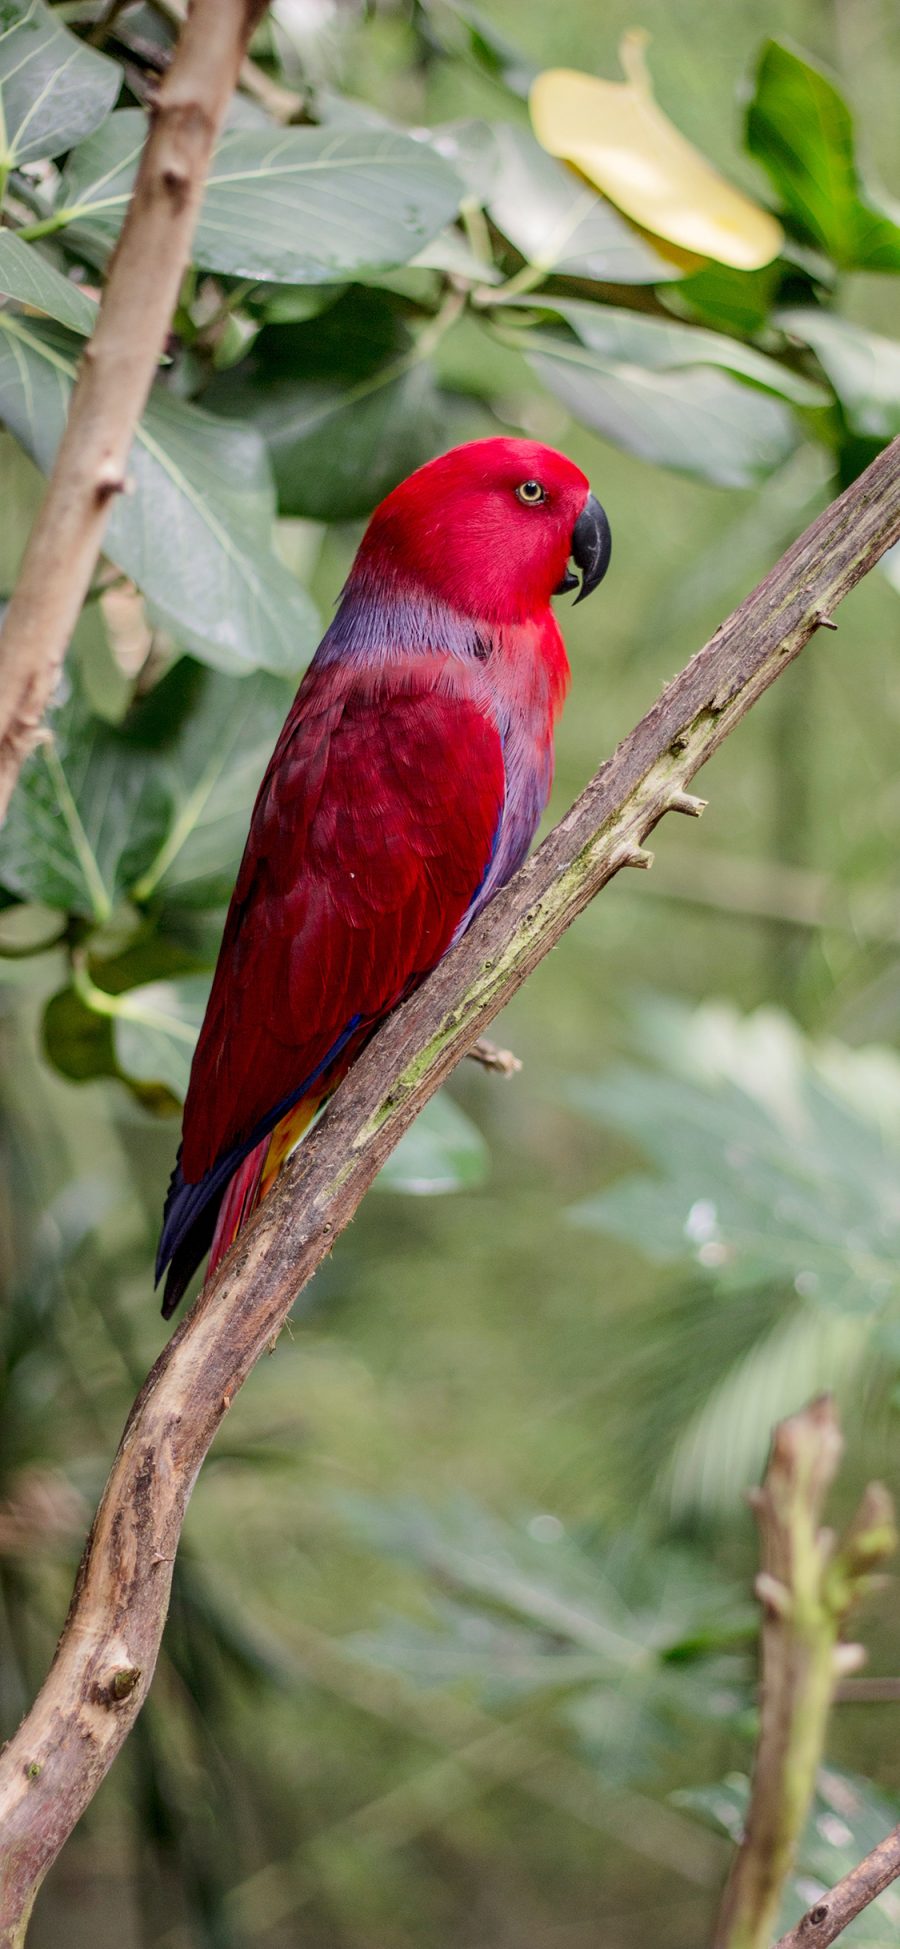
(346, 405)
(863, 367)
(195, 534)
(559, 223)
(76, 1041)
(218, 736)
(442, 1151)
(157, 805)
(292, 206)
(732, 301)
(32, 280)
(53, 89)
(85, 817)
(801, 130)
(681, 397)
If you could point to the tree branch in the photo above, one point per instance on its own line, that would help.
(106, 1655)
(834, 1912)
(117, 370)
(808, 1585)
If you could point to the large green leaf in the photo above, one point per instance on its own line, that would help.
(86, 816)
(346, 404)
(774, 1206)
(195, 532)
(53, 89)
(155, 1028)
(292, 206)
(213, 738)
(31, 280)
(157, 805)
(777, 1162)
(679, 396)
(560, 224)
(801, 130)
(863, 367)
(604, 1633)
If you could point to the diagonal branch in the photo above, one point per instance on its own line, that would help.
(117, 370)
(106, 1655)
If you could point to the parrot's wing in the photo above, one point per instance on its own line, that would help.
(373, 831)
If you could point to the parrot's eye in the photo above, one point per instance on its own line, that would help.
(531, 492)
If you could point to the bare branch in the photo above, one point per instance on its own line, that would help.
(107, 1652)
(833, 1913)
(117, 370)
(807, 1587)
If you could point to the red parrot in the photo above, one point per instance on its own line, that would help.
(405, 788)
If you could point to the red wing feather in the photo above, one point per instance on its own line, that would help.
(373, 829)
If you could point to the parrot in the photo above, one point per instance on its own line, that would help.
(405, 788)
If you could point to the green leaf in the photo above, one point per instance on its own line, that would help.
(732, 301)
(777, 1160)
(156, 806)
(559, 223)
(442, 1151)
(218, 736)
(32, 280)
(490, 50)
(863, 367)
(195, 532)
(155, 1029)
(680, 397)
(345, 403)
(77, 1041)
(292, 206)
(53, 89)
(85, 816)
(21, 494)
(801, 130)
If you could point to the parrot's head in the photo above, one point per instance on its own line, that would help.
(490, 529)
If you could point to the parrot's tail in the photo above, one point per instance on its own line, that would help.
(256, 1176)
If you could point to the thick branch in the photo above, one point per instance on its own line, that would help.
(117, 370)
(106, 1655)
(807, 1587)
(834, 1912)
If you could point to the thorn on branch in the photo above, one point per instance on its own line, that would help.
(639, 856)
(824, 622)
(502, 1061)
(688, 803)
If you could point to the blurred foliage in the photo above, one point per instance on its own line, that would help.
(391, 1710)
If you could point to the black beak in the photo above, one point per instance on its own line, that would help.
(591, 549)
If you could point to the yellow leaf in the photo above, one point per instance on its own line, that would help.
(617, 135)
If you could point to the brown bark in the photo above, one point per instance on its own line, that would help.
(117, 370)
(105, 1659)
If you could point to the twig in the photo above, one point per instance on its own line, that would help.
(867, 1691)
(502, 1061)
(117, 370)
(833, 1913)
(807, 1587)
(55, 1762)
